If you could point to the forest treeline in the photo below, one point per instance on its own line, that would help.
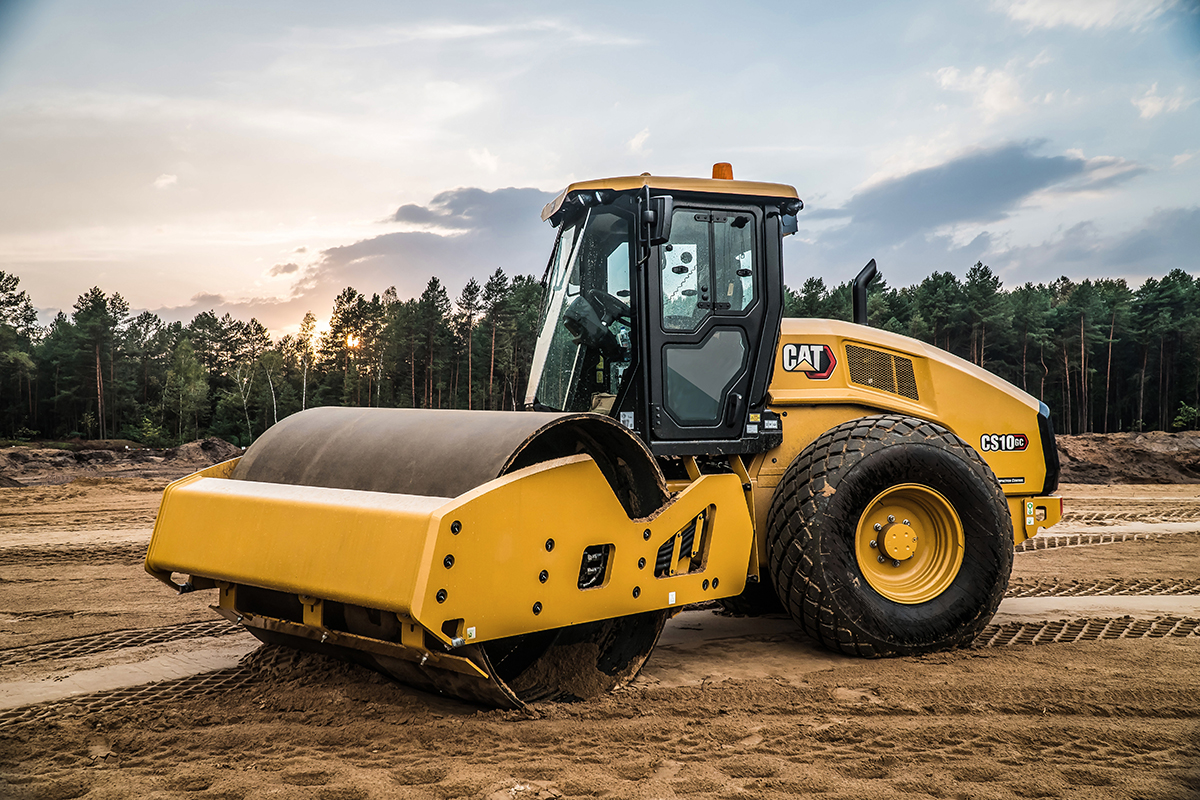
(1103, 356)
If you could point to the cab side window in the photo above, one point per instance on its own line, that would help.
(685, 272)
(707, 267)
(733, 262)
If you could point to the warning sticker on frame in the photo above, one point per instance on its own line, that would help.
(814, 360)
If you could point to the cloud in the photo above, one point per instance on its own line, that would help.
(277, 314)
(996, 93)
(483, 158)
(464, 209)
(467, 232)
(1151, 104)
(502, 229)
(981, 186)
(1085, 14)
(637, 144)
(464, 233)
(558, 31)
(163, 181)
(1167, 239)
(938, 218)
(204, 299)
(1099, 174)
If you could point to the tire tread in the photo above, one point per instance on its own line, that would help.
(798, 575)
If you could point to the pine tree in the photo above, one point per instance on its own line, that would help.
(985, 306)
(468, 305)
(306, 353)
(495, 303)
(187, 389)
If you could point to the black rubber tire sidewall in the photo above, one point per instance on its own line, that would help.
(756, 600)
(813, 521)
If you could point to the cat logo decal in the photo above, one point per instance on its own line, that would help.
(814, 360)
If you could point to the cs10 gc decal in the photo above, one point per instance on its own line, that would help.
(1003, 442)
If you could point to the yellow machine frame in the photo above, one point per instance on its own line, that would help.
(502, 560)
(949, 391)
(498, 561)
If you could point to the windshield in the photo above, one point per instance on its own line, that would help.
(579, 362)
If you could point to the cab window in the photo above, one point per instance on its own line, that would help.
(707, 267)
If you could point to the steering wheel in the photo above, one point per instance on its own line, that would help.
(609, 307)
(588, 318)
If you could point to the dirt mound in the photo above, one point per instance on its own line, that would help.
(203, 452)
(106, 444)
(1092, 458)
(32, 466)
(1152, 457)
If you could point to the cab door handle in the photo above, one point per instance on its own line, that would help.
(731, 407)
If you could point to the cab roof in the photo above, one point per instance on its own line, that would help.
(659, 182)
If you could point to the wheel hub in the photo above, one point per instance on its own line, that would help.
(899, 541)
(909, 543)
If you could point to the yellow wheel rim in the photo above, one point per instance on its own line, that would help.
(909, 543)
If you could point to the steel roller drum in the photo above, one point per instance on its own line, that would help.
(444, 453)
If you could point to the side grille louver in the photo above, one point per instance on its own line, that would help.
(882, 371)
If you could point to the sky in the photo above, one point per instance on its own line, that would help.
(257, 158)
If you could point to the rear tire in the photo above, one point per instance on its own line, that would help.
(933, 572)
(755, 600)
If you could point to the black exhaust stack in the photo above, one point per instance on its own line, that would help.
(860, 291)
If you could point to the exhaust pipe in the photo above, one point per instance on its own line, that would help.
(860, 291)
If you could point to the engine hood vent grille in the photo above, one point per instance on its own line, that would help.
(876, 369)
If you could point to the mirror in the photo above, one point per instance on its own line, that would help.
(656, 217)
(663, 206)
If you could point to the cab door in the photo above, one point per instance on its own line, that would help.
(706, 323)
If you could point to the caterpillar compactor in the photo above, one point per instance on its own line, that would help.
(681, 443)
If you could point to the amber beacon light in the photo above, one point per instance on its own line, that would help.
(723, 171)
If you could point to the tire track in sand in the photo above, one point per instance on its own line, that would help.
(116, 640)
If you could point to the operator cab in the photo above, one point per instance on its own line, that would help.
(661, 308)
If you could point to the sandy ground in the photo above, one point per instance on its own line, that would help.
(726, 707)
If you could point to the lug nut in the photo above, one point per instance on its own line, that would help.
(891, 518)
(874, 543)
(882, 559)
(878, 527)
(906, 522)
(895, 563)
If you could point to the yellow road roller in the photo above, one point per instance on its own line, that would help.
(681, 443)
